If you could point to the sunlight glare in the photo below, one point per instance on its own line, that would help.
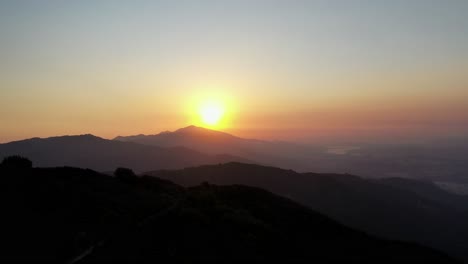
(211, 113)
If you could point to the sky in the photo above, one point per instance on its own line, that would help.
(288, 70)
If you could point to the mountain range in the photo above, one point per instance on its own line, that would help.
(88, 151)
(71, 215)
(278, 153)
(444, 162)
(393, 208)
(389, 207)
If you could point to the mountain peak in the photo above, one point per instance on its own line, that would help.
(83, 137)
(201, 131)
(192, 128)
(187, 131)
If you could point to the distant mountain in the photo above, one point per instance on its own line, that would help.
(282, 154)
(444, 162)
(210, 140)
(392, 208)
(100, 154)
(70, 215)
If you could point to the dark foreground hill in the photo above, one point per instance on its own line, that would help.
(392, 208)
(70, 215)
(88, 151)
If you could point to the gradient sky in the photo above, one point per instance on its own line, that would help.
(296, 70)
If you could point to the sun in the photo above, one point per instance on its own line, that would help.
(211, 113)
(210, 109)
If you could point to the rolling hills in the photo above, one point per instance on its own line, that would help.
(71, 215)
(392, 208)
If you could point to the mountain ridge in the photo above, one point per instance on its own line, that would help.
(101, 154)
(59, 215)
(434, 162)
(184, 130)
(402, 209)
(210, 141)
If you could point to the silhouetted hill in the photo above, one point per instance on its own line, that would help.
(70, 215)
(276, 153)
(89, 151)
(446, 162)
(394, 208)
(182, 137)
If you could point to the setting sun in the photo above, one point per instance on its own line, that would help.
(211, 113)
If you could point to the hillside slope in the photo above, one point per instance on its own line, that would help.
(71, 215)
(393, 208)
